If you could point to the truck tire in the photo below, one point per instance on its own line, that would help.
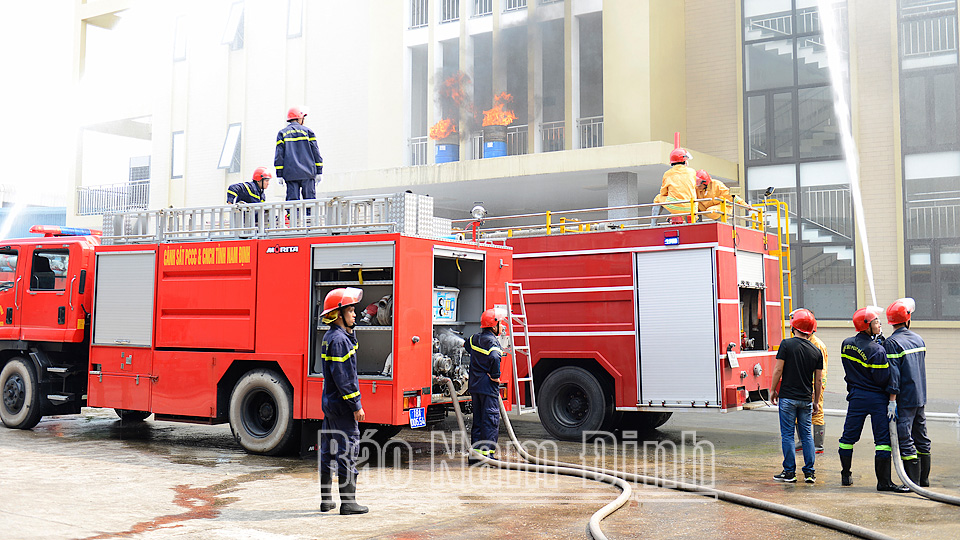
(21, 394)
(261, 413)
(126, 415)
(643, 420)
(571, 401)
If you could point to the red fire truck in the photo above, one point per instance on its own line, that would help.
(210, 315)
(630, 320)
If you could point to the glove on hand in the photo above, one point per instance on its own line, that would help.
(892, 410)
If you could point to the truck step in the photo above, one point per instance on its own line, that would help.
(60, 370)
(60, 398)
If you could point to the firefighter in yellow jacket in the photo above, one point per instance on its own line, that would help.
(708, 188)
(679, 185)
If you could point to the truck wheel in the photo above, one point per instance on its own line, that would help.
(261, 413)
(21, 395)
(126, 415)
(644, 421)
(571, 401)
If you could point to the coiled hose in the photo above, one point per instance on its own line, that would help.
(605, 475)
(898, 465)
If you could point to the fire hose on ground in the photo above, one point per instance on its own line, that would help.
(898, 465)
(620, 478)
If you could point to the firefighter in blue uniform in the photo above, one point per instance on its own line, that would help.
(297, 157)
(871, 390)
(342, 411)
(250, 192)
(484, 383)
(906, 353)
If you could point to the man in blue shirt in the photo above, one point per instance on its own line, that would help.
(906, 353)
(484, 384)
(297, 157)
(250, 192)
(342, 411)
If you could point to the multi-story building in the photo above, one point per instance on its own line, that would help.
(764, 92)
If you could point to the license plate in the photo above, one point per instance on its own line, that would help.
(418, 417)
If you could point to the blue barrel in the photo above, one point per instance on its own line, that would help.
(494, 149)
(447, 153)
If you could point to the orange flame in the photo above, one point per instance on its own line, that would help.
(442, 129)
(453, 88)
(498, 116)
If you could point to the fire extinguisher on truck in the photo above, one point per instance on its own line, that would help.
(211, 315)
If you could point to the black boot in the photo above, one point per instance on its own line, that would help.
(912, 468)
(818, 439)
(326, 492)
(348, 497)
(924, 470)
(881, 466)
(846, 477)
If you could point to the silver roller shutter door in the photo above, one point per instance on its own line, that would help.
(123, 305)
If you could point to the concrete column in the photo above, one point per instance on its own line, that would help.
(534, 80)
(499, 61)
(571, 60)
(466, 66)
(622, 191)
(434, 59)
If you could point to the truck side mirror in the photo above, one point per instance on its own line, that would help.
(83, 282)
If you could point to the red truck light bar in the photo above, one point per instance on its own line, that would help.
(53, 230)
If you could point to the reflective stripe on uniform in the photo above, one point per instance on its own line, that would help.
(482, 351)
(353, 395)
(906, 458)
(845, 446)
(252, 194)
(906, 352)
(232, 193)
(343, 358)
(676, 206)
(864, 364)
(883, 447)
(293, 139)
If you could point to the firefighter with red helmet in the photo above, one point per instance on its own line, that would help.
(871, 390)
(297, 157)
(484, 384)
(342, 410)
(906, 353)
(678, 186)
(253, 191)
(714, 190)
(800, 367)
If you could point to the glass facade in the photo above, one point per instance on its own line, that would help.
(793, 144)
(930, 142)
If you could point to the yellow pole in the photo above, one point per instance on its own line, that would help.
(548, 222)
(723, 212)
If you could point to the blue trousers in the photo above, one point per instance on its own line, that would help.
(799, 414)
(296, 188)
(339, 444)
(860, 404)
(486, 424)
(912, 432)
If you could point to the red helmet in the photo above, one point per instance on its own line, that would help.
(261, 174)
(899, 311)
(703, 178)
(339, 298)
(864, 316)
(492, 316)
(803, 321)
(679, 155)
(295, 113)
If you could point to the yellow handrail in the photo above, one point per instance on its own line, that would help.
(783, 257)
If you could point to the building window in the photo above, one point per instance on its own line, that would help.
(233, 32)
(230, 155)
(929, 140)
(177, 150)
(180, 39)
(294, 18)
(449, 10)
(792, 142)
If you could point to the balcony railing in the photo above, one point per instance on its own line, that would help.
(418, 13)
(113, 198)
(476, 141)
(512, 5)
(418, 151)
(517, 140)
(449, 10)
(929, 36)
(591, 132)
(482, 7)
(552, 136)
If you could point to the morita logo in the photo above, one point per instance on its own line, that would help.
(283, 249)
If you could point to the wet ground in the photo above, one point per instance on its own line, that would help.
(88, 476)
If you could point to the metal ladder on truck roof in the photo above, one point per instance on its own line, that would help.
(519, 320)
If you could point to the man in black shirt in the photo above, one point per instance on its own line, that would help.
(800, 366)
